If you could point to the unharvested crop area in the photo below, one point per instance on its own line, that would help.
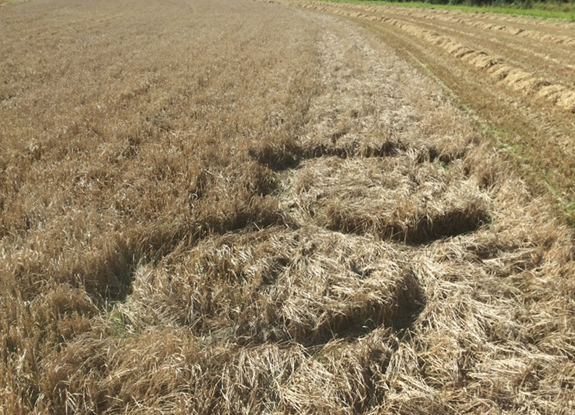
(235, 207)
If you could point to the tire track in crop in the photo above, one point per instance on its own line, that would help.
(553, 65)
(513, 26)
(481, 56)
(524, 93)
(542, 56)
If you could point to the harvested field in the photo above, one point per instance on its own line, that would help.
(257, 208)
(516, 73)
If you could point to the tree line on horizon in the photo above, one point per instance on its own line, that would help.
(502, 3)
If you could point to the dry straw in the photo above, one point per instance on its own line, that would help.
(260, 210)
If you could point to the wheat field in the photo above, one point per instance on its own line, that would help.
(514, 73)
(240, 207)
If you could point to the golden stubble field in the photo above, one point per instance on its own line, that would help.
(516, 74)
(237, 207)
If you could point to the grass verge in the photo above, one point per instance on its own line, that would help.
(544, 10)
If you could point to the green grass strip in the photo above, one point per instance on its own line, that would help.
(564, 11)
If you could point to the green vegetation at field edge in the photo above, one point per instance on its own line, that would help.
(551, 10)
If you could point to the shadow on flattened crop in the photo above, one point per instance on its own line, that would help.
(359, 319)
(417, 231)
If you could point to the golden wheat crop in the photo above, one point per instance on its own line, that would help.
(239, 207)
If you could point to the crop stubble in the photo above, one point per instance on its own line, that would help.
(514, 72)
(258, 209)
